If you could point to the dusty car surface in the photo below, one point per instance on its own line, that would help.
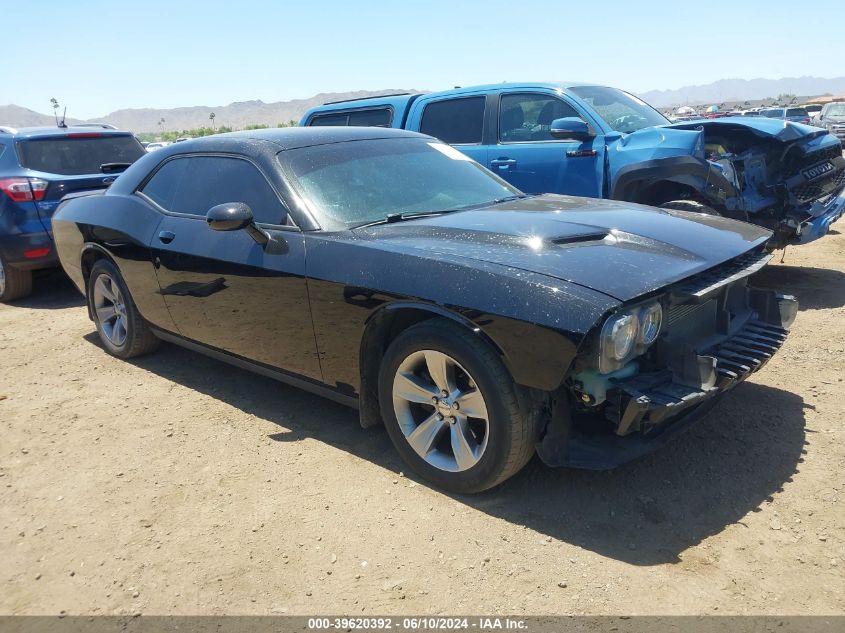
(388, 271)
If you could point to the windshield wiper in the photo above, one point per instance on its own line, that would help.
(392, 218)
(520, 196)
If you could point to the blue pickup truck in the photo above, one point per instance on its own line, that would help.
(602, 142)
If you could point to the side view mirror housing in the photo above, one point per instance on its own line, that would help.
(235, 216)
(571, 128)
(229, 216)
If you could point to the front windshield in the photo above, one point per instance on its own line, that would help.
(836, 110)
(621, 111)
(358, 182)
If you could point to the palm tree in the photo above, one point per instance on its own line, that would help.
(211, 116)
(55, 110)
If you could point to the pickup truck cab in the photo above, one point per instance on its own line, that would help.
(601, 142)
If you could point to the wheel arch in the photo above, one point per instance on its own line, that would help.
(657, 181)
(91, 254)
(381, 328)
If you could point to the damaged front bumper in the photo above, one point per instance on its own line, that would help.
(718, 335)
(823, 215)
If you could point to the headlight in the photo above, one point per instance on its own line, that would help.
(628, 334)
(651, 318)
(618, 337)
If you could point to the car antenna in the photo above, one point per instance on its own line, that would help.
(62, 122)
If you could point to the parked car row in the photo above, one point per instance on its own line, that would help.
(392, 271)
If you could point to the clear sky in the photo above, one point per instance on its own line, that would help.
(96, 57)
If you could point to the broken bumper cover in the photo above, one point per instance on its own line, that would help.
(823, 216)
(652, 408)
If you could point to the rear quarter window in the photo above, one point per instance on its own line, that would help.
(71, 156)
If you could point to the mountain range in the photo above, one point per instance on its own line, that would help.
(243, 113)
(235, 115)
(744, 89)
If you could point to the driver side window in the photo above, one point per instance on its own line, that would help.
(528, 117)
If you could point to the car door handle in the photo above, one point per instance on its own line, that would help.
(503, 163)
(165, 237)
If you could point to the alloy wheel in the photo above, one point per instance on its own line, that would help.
(110, 309)
(2, 278)
(440, 410)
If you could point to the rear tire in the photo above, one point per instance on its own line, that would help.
(14, 283)
(123, 331)
(475, 435)
(692, 206)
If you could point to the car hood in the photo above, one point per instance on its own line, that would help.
(764, 127)
(620, 249)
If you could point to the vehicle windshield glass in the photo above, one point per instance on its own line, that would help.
(836, 110)
(621, 111)
(777, 113)
(74, 156)
(358, 182)
(797, 112)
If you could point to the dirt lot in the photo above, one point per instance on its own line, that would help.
(176, 484)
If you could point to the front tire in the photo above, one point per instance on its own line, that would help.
(14, 283)
(451, 409)
(123, 331)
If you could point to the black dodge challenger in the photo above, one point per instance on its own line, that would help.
(388, 271)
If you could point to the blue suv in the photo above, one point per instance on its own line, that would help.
(39, 167)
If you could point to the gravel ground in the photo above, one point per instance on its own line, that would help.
(175, 484)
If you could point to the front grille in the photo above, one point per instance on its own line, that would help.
(796, 164)
(814, 190)
(720, 276)
(679, 313)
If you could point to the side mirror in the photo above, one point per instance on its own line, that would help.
(571, 128)
(235, 216)
(229, 216)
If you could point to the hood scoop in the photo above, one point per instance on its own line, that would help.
(580, 238)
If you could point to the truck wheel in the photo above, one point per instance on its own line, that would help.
(122, 329)
(14, 283)
(451, 410)
(690, 205)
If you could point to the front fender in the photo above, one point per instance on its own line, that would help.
(711, 180)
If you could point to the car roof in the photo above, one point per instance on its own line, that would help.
(400, 100)
(296, 137)
(45, 131)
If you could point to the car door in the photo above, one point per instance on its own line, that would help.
(222, 288)
(525, 154)
(458, 121)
